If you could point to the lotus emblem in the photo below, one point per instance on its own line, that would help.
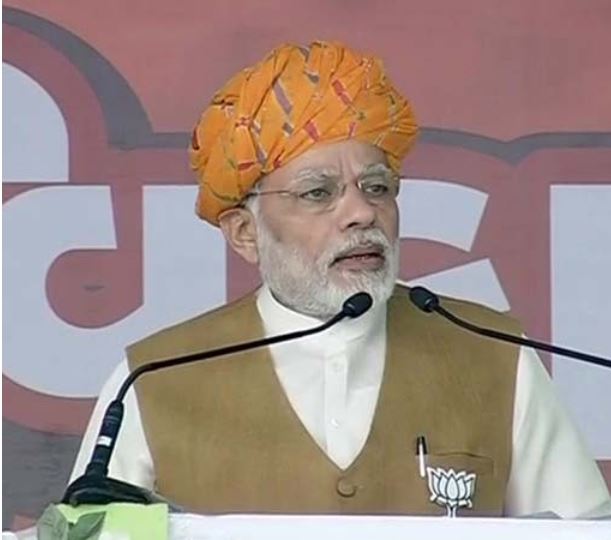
(450, 488)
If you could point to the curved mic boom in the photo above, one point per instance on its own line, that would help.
(428, 302)
(95, 487)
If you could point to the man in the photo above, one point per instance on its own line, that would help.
(298, 161)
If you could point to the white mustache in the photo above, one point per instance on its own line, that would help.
(370, 238)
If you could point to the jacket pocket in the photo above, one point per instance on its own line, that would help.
(470, 463)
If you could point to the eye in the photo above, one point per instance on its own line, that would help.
(319, 194)
(376, 189)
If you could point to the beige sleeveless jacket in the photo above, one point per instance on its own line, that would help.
(224, 437)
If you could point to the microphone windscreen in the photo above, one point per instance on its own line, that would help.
(424, 299)
(357, 304)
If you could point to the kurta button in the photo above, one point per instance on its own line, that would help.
(346, 488)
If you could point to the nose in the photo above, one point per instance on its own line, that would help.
(354, 210)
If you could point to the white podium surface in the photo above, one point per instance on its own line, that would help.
(260, 527)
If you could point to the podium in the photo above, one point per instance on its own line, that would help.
(262, 527)
(281, 527)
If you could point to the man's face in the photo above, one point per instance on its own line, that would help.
(315, 256)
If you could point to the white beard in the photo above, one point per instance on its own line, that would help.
(306, 286)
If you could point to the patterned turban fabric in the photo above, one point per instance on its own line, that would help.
(295, 98)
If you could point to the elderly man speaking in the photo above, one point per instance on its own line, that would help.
(298, 162)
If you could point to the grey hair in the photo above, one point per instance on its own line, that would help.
(253, 203)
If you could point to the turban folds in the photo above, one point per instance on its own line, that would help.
(276, 110)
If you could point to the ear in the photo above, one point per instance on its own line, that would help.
(238, 226)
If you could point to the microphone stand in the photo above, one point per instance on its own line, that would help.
(95, 487)
(428, 302)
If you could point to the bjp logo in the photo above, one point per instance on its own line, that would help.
(451, 489)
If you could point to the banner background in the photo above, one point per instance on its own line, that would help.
(507, 195)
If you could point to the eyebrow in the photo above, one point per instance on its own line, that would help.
(375, 168)
(317, 174)
(314, 174)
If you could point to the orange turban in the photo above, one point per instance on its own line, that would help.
(281, 107)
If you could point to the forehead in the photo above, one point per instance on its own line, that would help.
(346, 158)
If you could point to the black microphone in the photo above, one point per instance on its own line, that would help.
(428, 302)
(95, 487)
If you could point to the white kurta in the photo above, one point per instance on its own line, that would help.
(332, 381)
